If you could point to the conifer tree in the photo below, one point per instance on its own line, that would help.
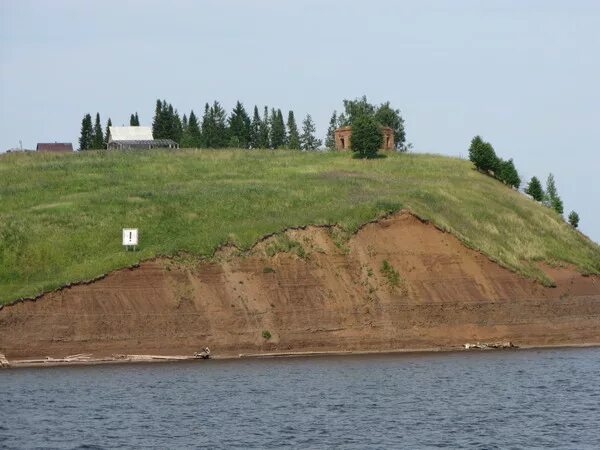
(293, 138)
(137, 119)
(277, 129)
(255, 129)
(107, 133)
(132, 121)
(220, 126)
(482, 154)
(534, 188)
(263, 132)
(174, 127)
(333, 125)
(508, 173)
(206, 128)
(193, 131)
(552, 199)
(574, 219)
(239, 127)
(157, 122)
(214, 127)
(86, 139)
(184, 122)
(98, 136)
(308, 141)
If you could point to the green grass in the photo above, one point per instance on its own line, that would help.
(61, 215)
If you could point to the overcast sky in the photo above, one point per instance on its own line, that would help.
(523, 74)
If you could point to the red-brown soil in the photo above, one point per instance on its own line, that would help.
(335, 299)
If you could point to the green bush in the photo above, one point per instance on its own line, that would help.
(266, 334)
(574, 219)
(283, 244)
(392, 275)
(367, 137)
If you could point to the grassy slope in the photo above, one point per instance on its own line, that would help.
(61, 215)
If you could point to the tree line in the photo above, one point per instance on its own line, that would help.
(268, 128)
(217, 129)
(484, 157)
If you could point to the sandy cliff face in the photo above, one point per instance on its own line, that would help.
(335, 298)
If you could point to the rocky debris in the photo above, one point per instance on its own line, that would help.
(4, 364)
(489, 345)
(204, 354)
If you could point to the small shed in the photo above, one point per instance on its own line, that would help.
(54, 147)
(126, 138)
(343, 137)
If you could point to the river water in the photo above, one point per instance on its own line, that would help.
(504, 399)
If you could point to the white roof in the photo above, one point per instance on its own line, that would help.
(130, 134)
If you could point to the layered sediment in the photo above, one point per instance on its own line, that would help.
(321, 294)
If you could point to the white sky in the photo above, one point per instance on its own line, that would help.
(523, 74)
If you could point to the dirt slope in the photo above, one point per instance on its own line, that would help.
(334, 299)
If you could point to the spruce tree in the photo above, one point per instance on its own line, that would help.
(174, 126)
(482, 154)
(574, 219)
(277, 129)
(219, 116)
(98, 137)
(255, 129)
(86, 139)
(207, 128)
(107, 133)
(508, 173)
(534, 188)
(293, 138)
(308, 141)
(263, 132)
(239, 127)
(333, 125)
(193, 131)
(552, 199)
(184, 122)
(134, 120)
(157, 122)
(281, 124)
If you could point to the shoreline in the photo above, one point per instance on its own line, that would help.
(137, 359)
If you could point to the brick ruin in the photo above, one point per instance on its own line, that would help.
(344, 134)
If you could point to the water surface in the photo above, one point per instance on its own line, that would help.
(507, 399)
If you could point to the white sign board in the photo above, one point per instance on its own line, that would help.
(130, 236)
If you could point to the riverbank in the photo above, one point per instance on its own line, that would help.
(398, 283)
(146, 359)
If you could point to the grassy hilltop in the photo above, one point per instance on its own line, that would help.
(61, 215)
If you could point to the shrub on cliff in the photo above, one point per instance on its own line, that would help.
(574, 219)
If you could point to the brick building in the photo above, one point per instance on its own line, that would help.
(343, 136)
